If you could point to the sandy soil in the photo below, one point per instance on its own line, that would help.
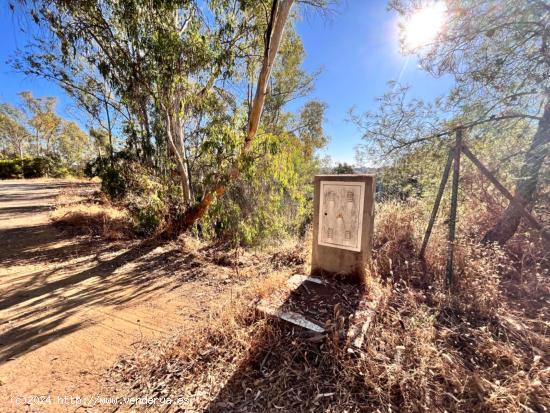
(69, 306)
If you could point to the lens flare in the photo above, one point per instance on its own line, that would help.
(422, 27)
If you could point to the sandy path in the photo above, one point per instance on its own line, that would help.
(70, 305)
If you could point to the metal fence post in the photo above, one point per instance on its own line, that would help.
(449, 275)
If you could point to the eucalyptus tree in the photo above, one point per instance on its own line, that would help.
(158, 58)
(102, 142)
(15, 138)
(173, 70)
(73, 145)
(93, 95)
(42, 120)
(80, 79)
(498, 53)
(34, 129)
(33, 126)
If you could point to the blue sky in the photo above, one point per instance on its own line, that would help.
(356, 46)
(10, 81)
(358, 49)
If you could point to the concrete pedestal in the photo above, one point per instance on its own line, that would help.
(343, 221)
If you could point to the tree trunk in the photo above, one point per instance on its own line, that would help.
(276, 25)
(109, 129)
(507, 224)
(274, 33)
(146, 145)
(176, 147)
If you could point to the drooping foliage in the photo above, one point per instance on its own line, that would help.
(274, 197)
(178, 82)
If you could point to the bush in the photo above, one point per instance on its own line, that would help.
(38, 167)
(10, 169)
(96, 167)
(271, 201)
(122, 177)
(113, 183)
(133, 185)
(61, 172)
(147, 214)
(111, 174)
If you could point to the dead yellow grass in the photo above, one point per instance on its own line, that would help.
(91, 214)
(202, 361)
(473, 351)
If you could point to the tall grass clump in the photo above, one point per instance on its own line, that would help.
(427, 349)
(92, 215)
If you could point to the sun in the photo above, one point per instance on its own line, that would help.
(422, 27)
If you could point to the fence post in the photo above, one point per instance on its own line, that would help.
(437, 202)
(449, 275)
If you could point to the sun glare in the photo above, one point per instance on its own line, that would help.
(424, 25)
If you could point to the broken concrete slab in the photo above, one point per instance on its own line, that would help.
(329, 300)
(291, 317)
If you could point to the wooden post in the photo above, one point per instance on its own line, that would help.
(449, 276)
(516, 200)
(438, 197)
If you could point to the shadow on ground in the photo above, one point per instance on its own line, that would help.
(41, 304)
(50, 279)
(294, 369)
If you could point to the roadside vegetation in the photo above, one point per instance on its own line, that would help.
(481, 350)
(194, 139)
(91, 213)
(36, 142)
(17, 168)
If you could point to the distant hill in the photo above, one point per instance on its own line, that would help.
(356, 170)
(366, 170)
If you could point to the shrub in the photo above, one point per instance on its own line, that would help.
(61, 172)
(10, 169)
(38, 167)
(113, 183)
(147, 214)
(123, 177)
(270, 202)
(96, 167)
(133, 185)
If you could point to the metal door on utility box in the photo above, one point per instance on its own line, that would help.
(341, 214)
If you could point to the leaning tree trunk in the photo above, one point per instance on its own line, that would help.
(508, 222)
(175, 143)
(279, 14)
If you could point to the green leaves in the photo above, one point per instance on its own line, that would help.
(173, 80)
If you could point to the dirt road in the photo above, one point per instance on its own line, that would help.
(70, 305)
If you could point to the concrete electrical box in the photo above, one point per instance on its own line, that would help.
(342, 224)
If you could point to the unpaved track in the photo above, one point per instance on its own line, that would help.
(69, 306)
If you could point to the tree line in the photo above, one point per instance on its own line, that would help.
(197, 91)
(34, 129)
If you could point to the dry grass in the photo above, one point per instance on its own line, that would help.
(478, 350)
(89, 212)
(206, 358)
